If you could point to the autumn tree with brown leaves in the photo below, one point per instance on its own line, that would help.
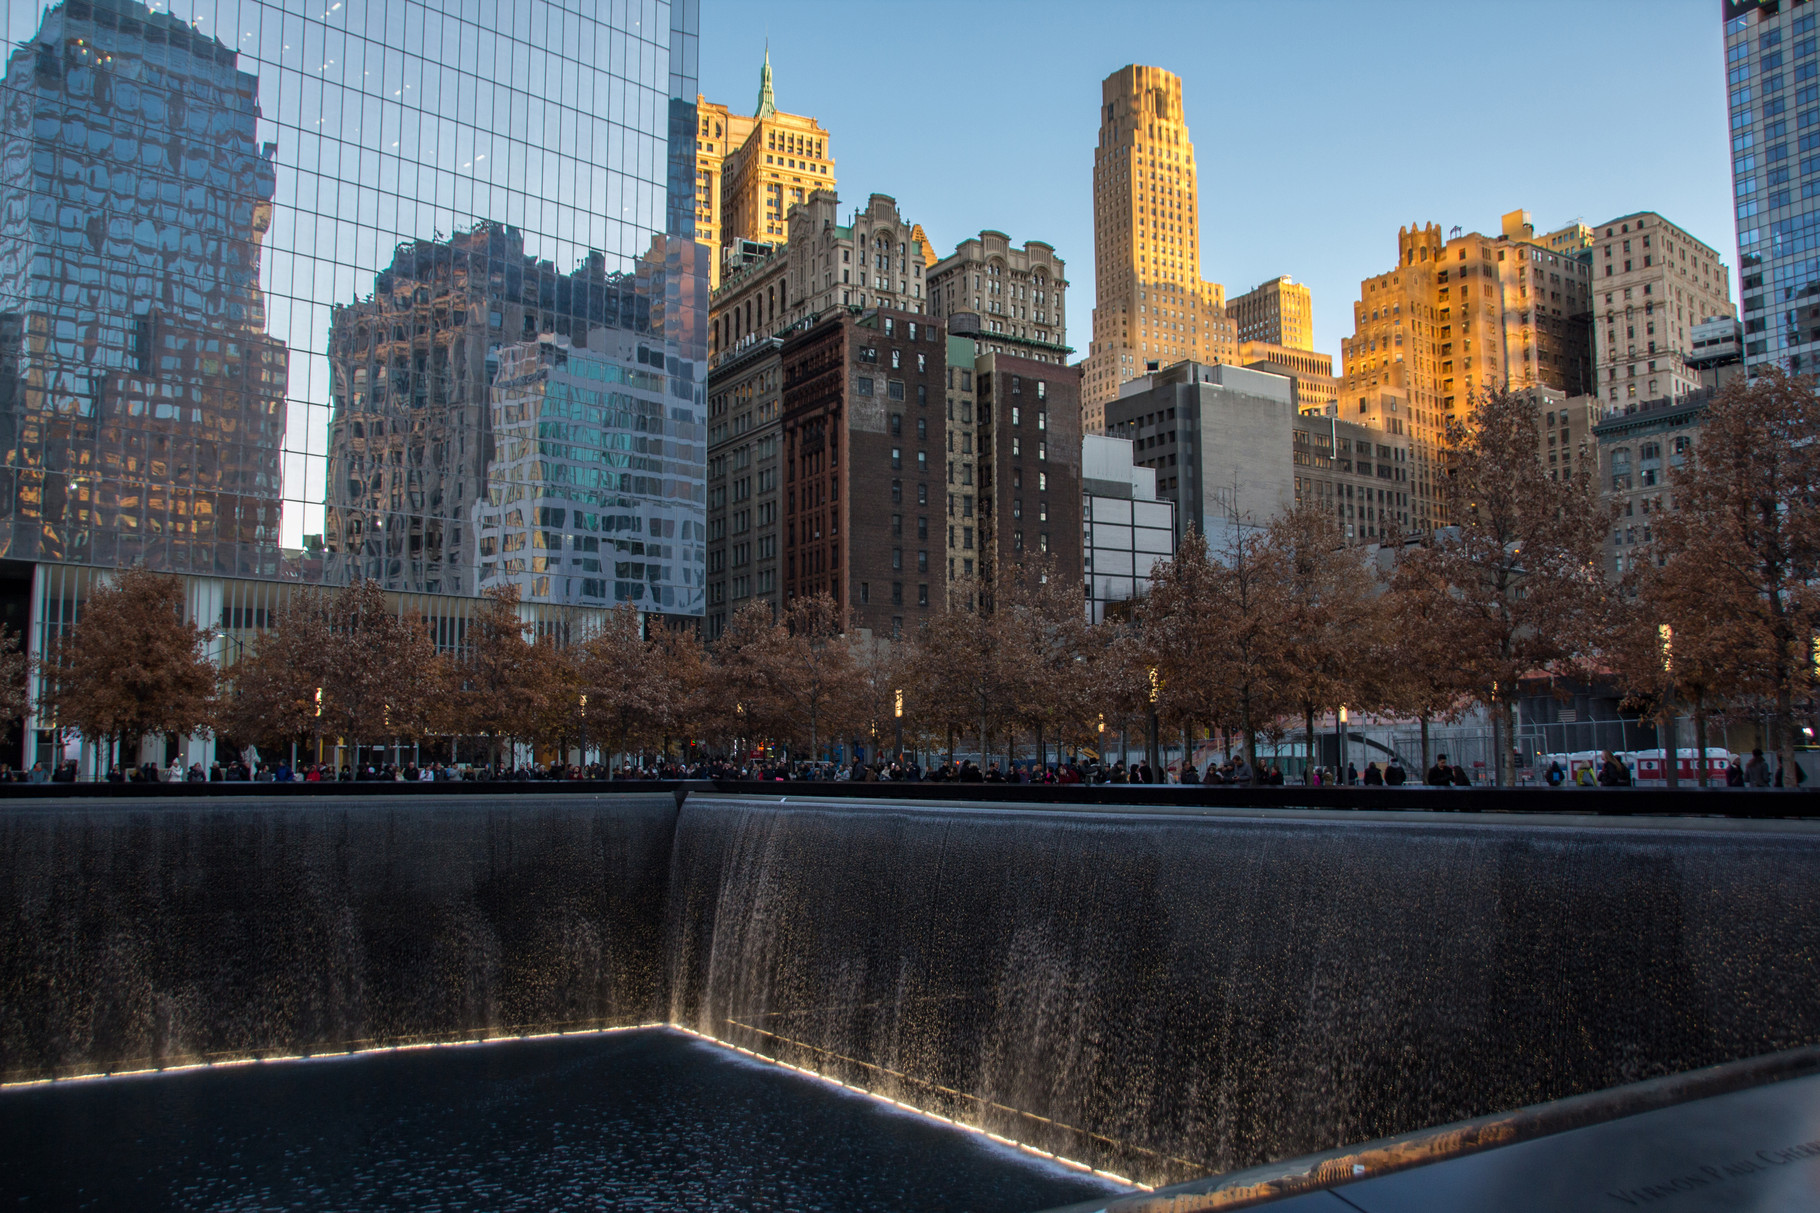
(1414, 669)
(339, 663)
(132, 666)
(16, 667)
(1746, 527)
(502, 690)
(1328, 595)
(1520, 560)
(1215, 631)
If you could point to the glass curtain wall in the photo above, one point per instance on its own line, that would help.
(262, 263)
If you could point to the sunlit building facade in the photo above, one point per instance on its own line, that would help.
(751, 170)
(1280, 312)
(1460, 314)
(1151, 308)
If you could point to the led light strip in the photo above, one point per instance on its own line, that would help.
(1036, 1151)
(411, 1047)
(1063, 1160)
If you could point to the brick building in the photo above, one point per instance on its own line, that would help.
(863, 439)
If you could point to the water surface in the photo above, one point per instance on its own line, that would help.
(646, 1120)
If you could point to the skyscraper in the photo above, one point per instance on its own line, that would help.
(1280, 312)
(1652, 283)
(142, 414)
(1462, 314)
(241, 242)
(1151, 307)
(1770, 67)
(749, 172)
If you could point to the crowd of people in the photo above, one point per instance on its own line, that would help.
(1612, 771)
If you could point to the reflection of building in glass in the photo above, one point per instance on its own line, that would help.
(415, 446)
(141, 416)
(595, 492)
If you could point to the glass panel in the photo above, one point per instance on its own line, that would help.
(315, 291)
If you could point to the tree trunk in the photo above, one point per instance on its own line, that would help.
(1308, 742)
(1507, 714)
(1497, 742)
(1671, 750)
(1425, 758)
(1251, 737)
(1700, 741)
(1784, 738)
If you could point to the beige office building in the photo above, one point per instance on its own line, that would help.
(1462, 314)
(1018, 293)
(1317, 388)
(1280, 312)
(875, 260)
(749, 172)
(1652, 284)
(1151, 307)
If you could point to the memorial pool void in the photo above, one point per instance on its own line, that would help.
(1158, 993)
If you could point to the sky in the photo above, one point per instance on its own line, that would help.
(1320, 126)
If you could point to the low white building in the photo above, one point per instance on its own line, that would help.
(1125, 528)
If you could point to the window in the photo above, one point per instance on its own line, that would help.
(922, 595)
(922, 494)
(1042, 482)
(897, 558)
(862, 386)
(897, 457)
(922, 562)
(897, 597)
(897, 491)
(896, 358)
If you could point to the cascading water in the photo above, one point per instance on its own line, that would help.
(169, 933)
(1156, 994)
(1169, 995)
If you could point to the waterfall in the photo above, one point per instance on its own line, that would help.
(1165, 995)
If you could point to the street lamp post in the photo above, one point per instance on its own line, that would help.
(897, 711)
(1671, 752)
(584, 734)
(1341, 751)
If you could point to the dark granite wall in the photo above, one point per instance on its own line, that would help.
(1159, 995)
(1170, 997)
(168, 932)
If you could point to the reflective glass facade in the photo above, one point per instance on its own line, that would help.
(263, 265)
(1772, 65)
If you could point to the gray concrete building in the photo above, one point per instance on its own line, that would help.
(1231, 449)
(1638, 447)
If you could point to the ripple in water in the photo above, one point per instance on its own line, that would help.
(649, 1121)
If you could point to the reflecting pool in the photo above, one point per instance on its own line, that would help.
(642, 1120)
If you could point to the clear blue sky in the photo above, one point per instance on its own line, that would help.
(1320, 126)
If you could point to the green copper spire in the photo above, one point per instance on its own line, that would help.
(767, 100)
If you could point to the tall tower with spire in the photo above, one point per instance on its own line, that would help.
(749, 172)
(767, 100)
